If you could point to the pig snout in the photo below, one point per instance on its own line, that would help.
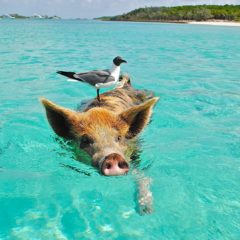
(114, 164)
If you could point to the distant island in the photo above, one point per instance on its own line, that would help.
(35, 16)
(180, 14)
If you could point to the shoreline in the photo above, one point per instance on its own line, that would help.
(216, 23)
(212, 22)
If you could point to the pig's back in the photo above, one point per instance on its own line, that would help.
(118, 99)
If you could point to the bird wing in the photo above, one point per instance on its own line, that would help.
(94, 77)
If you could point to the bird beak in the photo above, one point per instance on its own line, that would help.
(124, 61)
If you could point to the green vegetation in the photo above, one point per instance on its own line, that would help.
(181, 13)
(18, 16)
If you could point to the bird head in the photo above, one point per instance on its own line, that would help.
(118, 60)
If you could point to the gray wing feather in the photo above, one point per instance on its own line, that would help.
(94, 77)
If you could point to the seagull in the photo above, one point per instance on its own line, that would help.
(98, 78)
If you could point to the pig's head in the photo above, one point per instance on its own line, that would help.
(103, 134)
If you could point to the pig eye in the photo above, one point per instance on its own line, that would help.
(85, 140)
(119, 138)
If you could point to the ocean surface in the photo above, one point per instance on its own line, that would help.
(190, 150)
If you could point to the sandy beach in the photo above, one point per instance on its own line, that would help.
(217, 23)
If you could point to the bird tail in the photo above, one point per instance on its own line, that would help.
(68, 74)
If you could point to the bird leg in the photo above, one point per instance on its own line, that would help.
(98, 96)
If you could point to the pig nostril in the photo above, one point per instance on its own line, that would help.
(108, 165)
(122, 165)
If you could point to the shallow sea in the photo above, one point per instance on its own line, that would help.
(190, 150)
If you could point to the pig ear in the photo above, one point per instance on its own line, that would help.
(138, 116)
(62, 120)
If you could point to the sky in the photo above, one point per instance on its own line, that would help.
(91, 8)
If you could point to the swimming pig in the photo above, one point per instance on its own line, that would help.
(105, 130)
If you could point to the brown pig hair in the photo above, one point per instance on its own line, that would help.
(126, 109)
(71, 124)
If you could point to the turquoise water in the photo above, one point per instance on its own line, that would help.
(191, 149)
